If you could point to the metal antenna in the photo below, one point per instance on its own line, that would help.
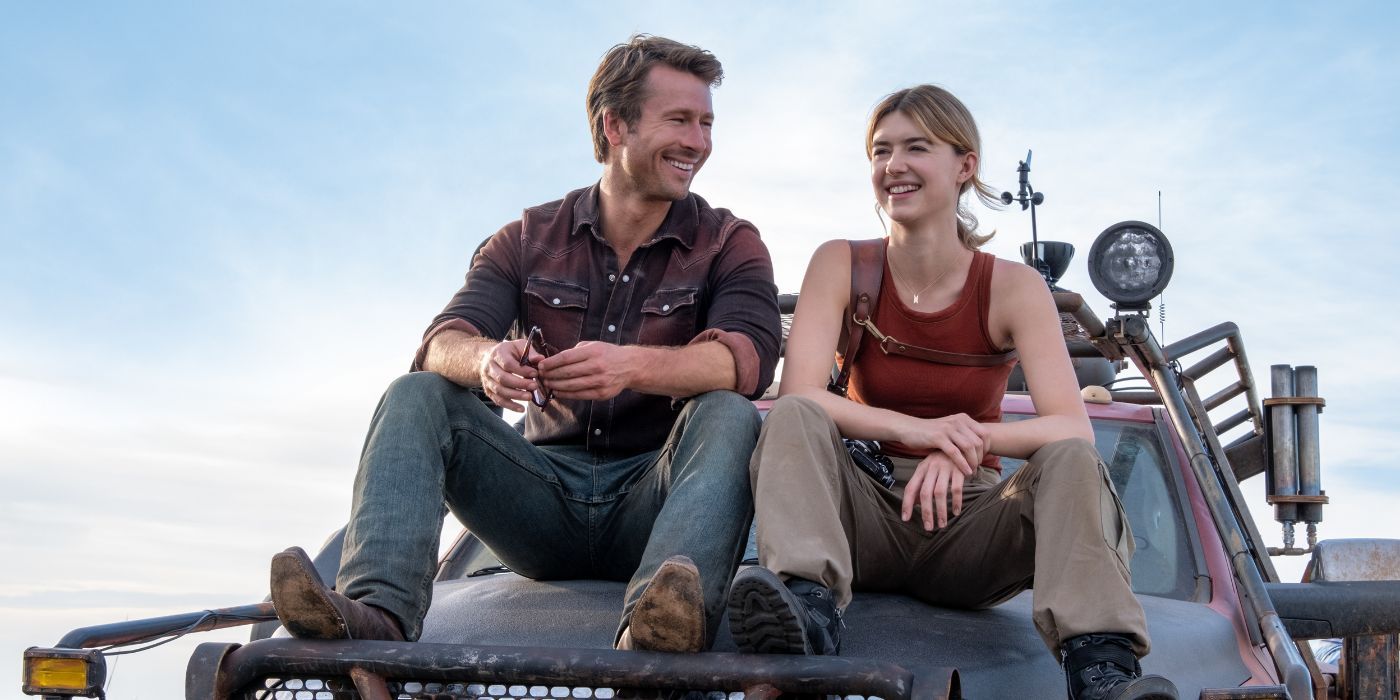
(1161, 298)
(1027, 197)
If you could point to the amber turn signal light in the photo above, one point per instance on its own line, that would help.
(64, 672)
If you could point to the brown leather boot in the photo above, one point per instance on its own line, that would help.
(670, 615)
(309, 609)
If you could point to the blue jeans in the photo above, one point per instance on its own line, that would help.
(548, 512)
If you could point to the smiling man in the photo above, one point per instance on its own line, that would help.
(629, 321)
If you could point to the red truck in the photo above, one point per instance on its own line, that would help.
(1178, 438)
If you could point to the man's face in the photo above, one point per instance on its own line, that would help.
(662, 152)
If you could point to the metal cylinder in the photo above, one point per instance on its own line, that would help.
(1284, 455)
(1309, 447)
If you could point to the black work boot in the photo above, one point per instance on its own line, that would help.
(1103, 667)
(767, 616)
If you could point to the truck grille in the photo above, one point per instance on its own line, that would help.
(343, 689)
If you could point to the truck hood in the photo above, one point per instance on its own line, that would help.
(997, 652)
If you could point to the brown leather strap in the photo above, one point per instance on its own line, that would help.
(892, 346)
(867, 272)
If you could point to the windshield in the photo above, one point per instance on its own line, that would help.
(1163, 564)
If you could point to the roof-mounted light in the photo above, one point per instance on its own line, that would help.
(1130, 262)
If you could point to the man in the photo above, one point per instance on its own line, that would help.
(649, 295)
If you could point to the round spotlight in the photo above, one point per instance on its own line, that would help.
(1130, 262)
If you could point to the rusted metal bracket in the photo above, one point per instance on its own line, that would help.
(1258, 692)
(369, 685)
(1368, 668)
(762, 691)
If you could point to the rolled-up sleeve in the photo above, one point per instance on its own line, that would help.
(488, 301)
(743, 313)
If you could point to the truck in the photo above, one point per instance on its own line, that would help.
(1178, 437)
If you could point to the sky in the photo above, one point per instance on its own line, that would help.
(224, 226)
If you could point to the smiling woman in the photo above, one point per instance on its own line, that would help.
(933, 401)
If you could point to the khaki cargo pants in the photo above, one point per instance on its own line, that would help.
(1056, 522)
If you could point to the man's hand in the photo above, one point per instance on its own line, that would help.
(592, 370)
(958, 436)
(935, 478)
(504, 379)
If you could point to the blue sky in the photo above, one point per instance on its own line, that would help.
(223, 227)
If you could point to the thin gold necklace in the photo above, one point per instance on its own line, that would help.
(901, 278)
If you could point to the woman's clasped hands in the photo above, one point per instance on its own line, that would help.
(958, 444)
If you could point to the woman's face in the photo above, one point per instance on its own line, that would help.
(916, 176)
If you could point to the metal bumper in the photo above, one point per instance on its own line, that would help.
(378, 670)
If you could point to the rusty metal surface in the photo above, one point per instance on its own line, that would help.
(1309, 447)
(1321, 499)
(369, 685)
(1326, 609)
(591, 667)
(1322, 678)
(1259, 692)
(1356, 560)
(202, 677)
(1283, 455)
(1369, 668)
(762, 691)
(1246, 456)
(131, 631)
(1073, 304)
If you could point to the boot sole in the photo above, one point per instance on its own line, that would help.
(1146, 688)
(763, 615)
(300, 598)
(670, 614)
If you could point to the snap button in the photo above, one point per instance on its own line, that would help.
(612, 278)
(665, 307)
(556, 301)
(626, 278)
(611, 328)
(597, 431)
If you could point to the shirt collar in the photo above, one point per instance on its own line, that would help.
(681, 223)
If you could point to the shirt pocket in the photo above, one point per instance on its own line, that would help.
(558, 308)
(669, 317)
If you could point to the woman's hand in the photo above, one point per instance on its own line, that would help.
(958, 436)
(936, 478)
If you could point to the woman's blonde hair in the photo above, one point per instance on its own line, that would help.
(942, 116)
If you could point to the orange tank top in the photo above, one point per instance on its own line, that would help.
(928, 389)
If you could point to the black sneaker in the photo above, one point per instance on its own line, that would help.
(1103, 667)
(768, 617)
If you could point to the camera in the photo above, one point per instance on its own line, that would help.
(866, 455)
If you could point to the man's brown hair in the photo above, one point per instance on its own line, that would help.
(619, 84)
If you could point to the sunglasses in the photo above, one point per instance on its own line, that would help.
(535, 341)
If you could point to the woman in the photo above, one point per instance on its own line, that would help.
(949, 533)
